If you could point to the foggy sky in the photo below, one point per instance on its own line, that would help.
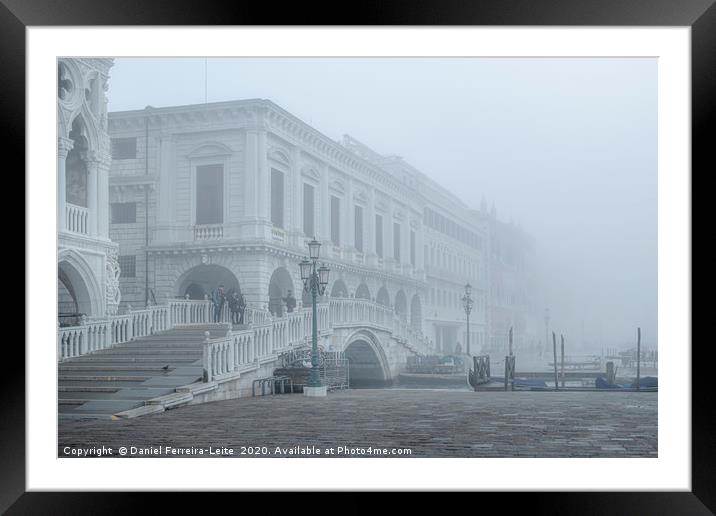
(565, 147)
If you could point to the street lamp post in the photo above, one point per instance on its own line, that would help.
(467, 305)
(315, 280)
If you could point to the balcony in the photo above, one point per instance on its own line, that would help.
(278, 234)
(208, 232)
(77, 217)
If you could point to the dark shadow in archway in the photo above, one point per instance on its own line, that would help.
(401, 305)
(279, 286)
(203, 279)
(383, 298)
(362, 292)
(416, 312)
(365, 370)
(339, 289)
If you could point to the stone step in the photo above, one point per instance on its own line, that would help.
(148, 351)
(148, 360)
(86, 388)
(160, 345)
(101, 378)
(113, 368)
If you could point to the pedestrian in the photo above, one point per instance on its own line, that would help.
(218, 297)
(290, 302)
(242, 307)
(234, 307)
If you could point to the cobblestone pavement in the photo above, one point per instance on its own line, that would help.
(431, 423)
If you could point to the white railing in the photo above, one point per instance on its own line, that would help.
(208, 232)
(245, 349)
(263, 337)
(77, 217)
(96, 335)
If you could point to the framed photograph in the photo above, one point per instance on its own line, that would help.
(424, 252)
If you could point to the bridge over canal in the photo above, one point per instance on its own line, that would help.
(168, 355)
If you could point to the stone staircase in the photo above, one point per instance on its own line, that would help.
(103, 383)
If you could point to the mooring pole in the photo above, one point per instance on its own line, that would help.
(562, 366)
(554, 348)
(638, 359)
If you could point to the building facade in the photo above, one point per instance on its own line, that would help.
(88, 271)
(230, 193)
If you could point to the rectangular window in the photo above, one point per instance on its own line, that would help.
(309, 229)
(359, 228)
(124, 148)
(124, 212)
(379, 235)
(412, 248)
(335, 220)
(210, 194)
(127, 266)
(396, 241)
(277, 197)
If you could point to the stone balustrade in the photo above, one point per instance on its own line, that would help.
(261, 339)
(77, 218)
(208, 232)
(242, 350)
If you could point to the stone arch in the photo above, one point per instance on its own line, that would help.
(339, 289)
(401, 305)
(416, 312)
(280, 284)
(80, 282)
(202, 279)
(383, 298)
(362, 292)
(367, 362)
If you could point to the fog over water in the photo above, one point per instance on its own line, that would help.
(564, 147)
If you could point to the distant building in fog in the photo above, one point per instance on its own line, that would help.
(230, 192)
(87, 266)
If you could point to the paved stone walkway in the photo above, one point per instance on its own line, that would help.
(431, 423)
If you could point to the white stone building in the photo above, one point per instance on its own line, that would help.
(230, 192)
(87, 266)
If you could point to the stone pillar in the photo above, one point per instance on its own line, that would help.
(369, 224)
(297, 197)
(264, 177)
(92, 194)
(64, 145)
(325, 212)
(165, 181)
(103, 198)
(251, 175)
(349, 217)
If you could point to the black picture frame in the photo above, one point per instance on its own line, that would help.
(700, 15)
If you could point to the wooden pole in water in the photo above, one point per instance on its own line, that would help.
(554, 348)
(510, 340)
(638, 359)
(562, 366)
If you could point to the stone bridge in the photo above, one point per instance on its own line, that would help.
(373, 338)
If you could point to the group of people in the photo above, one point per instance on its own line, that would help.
(237, 304)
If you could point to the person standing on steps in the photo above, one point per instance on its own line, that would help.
(218, 297)
(290, 302)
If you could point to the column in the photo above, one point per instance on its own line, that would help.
(369, 224)
(103, 198)
(325, 215)
(264, 189)
(297, 197)
(92, 194)
(165, 183)
(251, 175)
(64, 145)
(349, 217)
